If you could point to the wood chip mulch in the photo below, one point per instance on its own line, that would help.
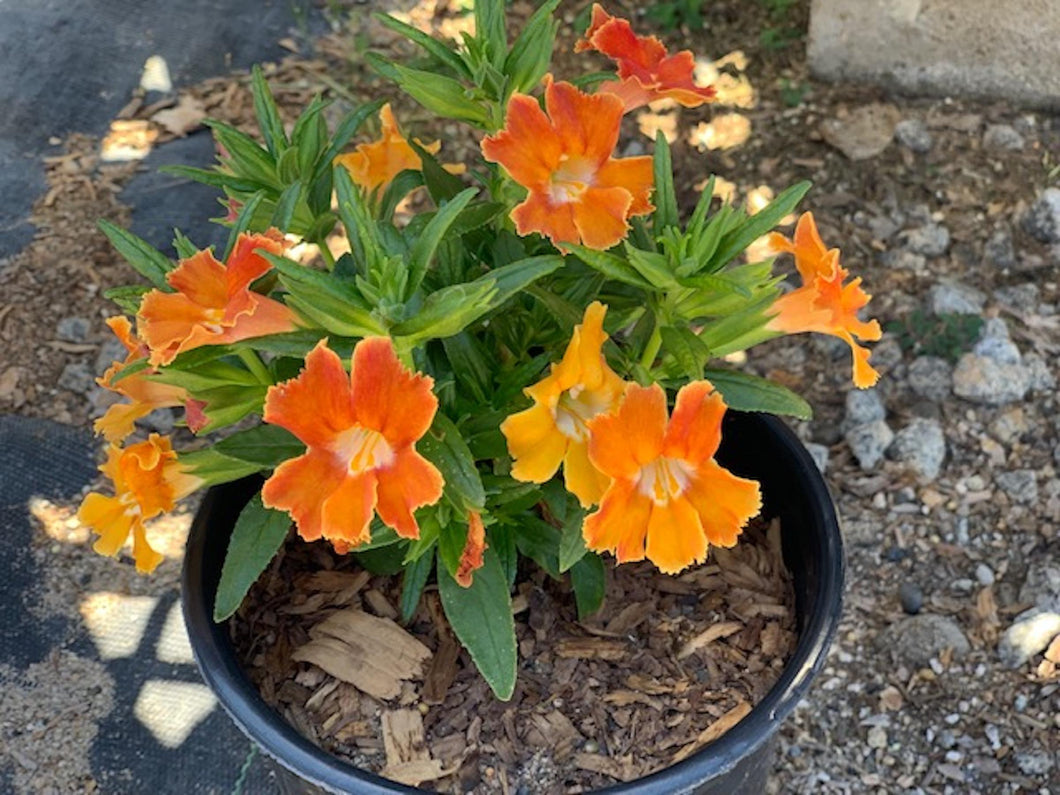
(669, 664)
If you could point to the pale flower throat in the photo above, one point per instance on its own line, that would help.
(363, 449)
(664, 479)
(571, 179)
(575, 408)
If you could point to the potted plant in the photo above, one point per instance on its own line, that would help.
(522, 365)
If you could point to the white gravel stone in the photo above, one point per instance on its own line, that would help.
(868, 442)
(1042, 584)
(982, 379)
(864, 406)
(922, 446)
(916, 639)
(931, 377)
(1042, 221)
(1029, 634)
(954, 298)
(819, 454)
(1020, 484)
(984, 574)
(930, 240)
(913, 134)
(1002, 136)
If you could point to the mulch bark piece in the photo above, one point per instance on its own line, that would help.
(669, 664)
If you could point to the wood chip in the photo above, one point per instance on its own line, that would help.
(1052, 654)
(592, 649)
(720, 630)
(180, 120)
(714, 731)
(373, 654)
(621, 769)
(553, 730)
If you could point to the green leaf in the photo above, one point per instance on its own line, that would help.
(760, 223)
(243, 221)
(444, 446)
(384, 560)
(665, 197)
(150, 263)
(183, 246)
(324, 299)
(489, 30)
(610, 266)
(481, 618)
(589, 581)
(217, 179)
(745, 392)
(440, 183)
(470, 365)
(400, 186)
(285, 207)
(347, 128)
(128, 297)
(412, 584)
(256, 538)
(268, 114)
(540, 542)
(653, 266)
(688, 350)
(266, 445)
(531, 51)
(309, 136)
(452, 538)
(436, 48)
(442, 95)
(213, 467)
(228, 404)
(427, 243)
(571, 543)
(248, 159)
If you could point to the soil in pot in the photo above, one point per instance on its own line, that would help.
(666, 666)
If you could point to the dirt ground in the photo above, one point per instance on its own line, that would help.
(936, 209)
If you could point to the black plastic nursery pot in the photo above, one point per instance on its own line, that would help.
(754, 445)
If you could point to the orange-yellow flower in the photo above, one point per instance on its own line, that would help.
(374, 165)
(360, 432)
(578, 192)
(823, 303)
(646, 71)
(213, 303)
(555, 429)
(144, 394)
(148, 480)
(474, 548)
(668, 498)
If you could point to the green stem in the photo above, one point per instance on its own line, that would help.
(651, 350)
(255, 365)
(325, 252)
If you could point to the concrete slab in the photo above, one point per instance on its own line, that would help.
(977, 48)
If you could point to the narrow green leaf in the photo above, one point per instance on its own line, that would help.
(285, 207)
(412, 584)
(489, 30)
(347, 128)
(452, 538)
(183, 246)
(256, 538)
(439, 50)
(266, 445)
(243, 221)
(382, 560)
(400, 186)
(589, 581)
(444, 446)
(761, 222)
(217, 179)
(481, 618)
(213, 467)
(427, 243)
(127, 297)
(572, 543)
(442, 95)
(688, 350)
(531, 51)
(150, 263)
(611, 266)
(652, 265)
(470, 365)
(665, 196)
(540, 542)
(268, 114)
(246, 156)
(310, 136)
(745, 392)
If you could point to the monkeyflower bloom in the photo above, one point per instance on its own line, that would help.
(555, 429)
(360, 432)
(646, 71)
(474, 548)
(668, 499)
(578, 193)
(213, 303)
(374, 165)
(148, 481)
(823, 303)
(144, 394)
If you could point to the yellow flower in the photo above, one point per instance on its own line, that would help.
(555, 429)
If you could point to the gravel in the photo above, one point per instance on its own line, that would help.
(913, 134)
(1042, 221)
(931, 377)
(1029, 634)
(911, 598)
(930, 240)
(868, 442)
(922, 446)
(1002, 136)
(954, 298)
(917, 639)
(1021, 485)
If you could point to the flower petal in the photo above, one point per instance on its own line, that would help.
(621, 523)
(535, 443)
(147, 559)
(119, 420)
(201, 279)
(315, 406)
(723, 501)
(540, 214)
(675, 536)
(587, 124)
(107, 517)
(410, 482)
(346, 513)
(387, 397)
(300, 486)
(600, 216)
(621, 443)
(634, 174)
(474, 547)
(528, 147)
(694, 432)
(245, 264)
(582, 479)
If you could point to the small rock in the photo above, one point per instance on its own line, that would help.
(1029, 634)
(922, 446)
(1023, 297)
(73, 329)
(863, 133)
(954, 298)
(77, 377)
(868, 443)
(982, 379)
(160, 420)
(864, 406)
(109, 352)
(916, 639)
(931, 377)
(877, 737)
(1042, 584)
(819, 454)
(913, 134)
(1042, 221)
(911, 597)
(1001, 349)
(1035, 763)
(1021, 485)
(1002, 136)
(1038, 372)
(882, 228)
(999, 250)
(984, 574)
(1009, 425)
(903, 259)
(930, 240)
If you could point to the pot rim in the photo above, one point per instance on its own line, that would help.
(278, 739)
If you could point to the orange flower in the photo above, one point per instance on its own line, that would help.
(144, 394)
(148, 481)
(646, 71)
(214, 304)
(374, 165)
(667, 490)
(360, 430)
(555, 428)
(474, 547)
(823, 303)
(578, 192)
